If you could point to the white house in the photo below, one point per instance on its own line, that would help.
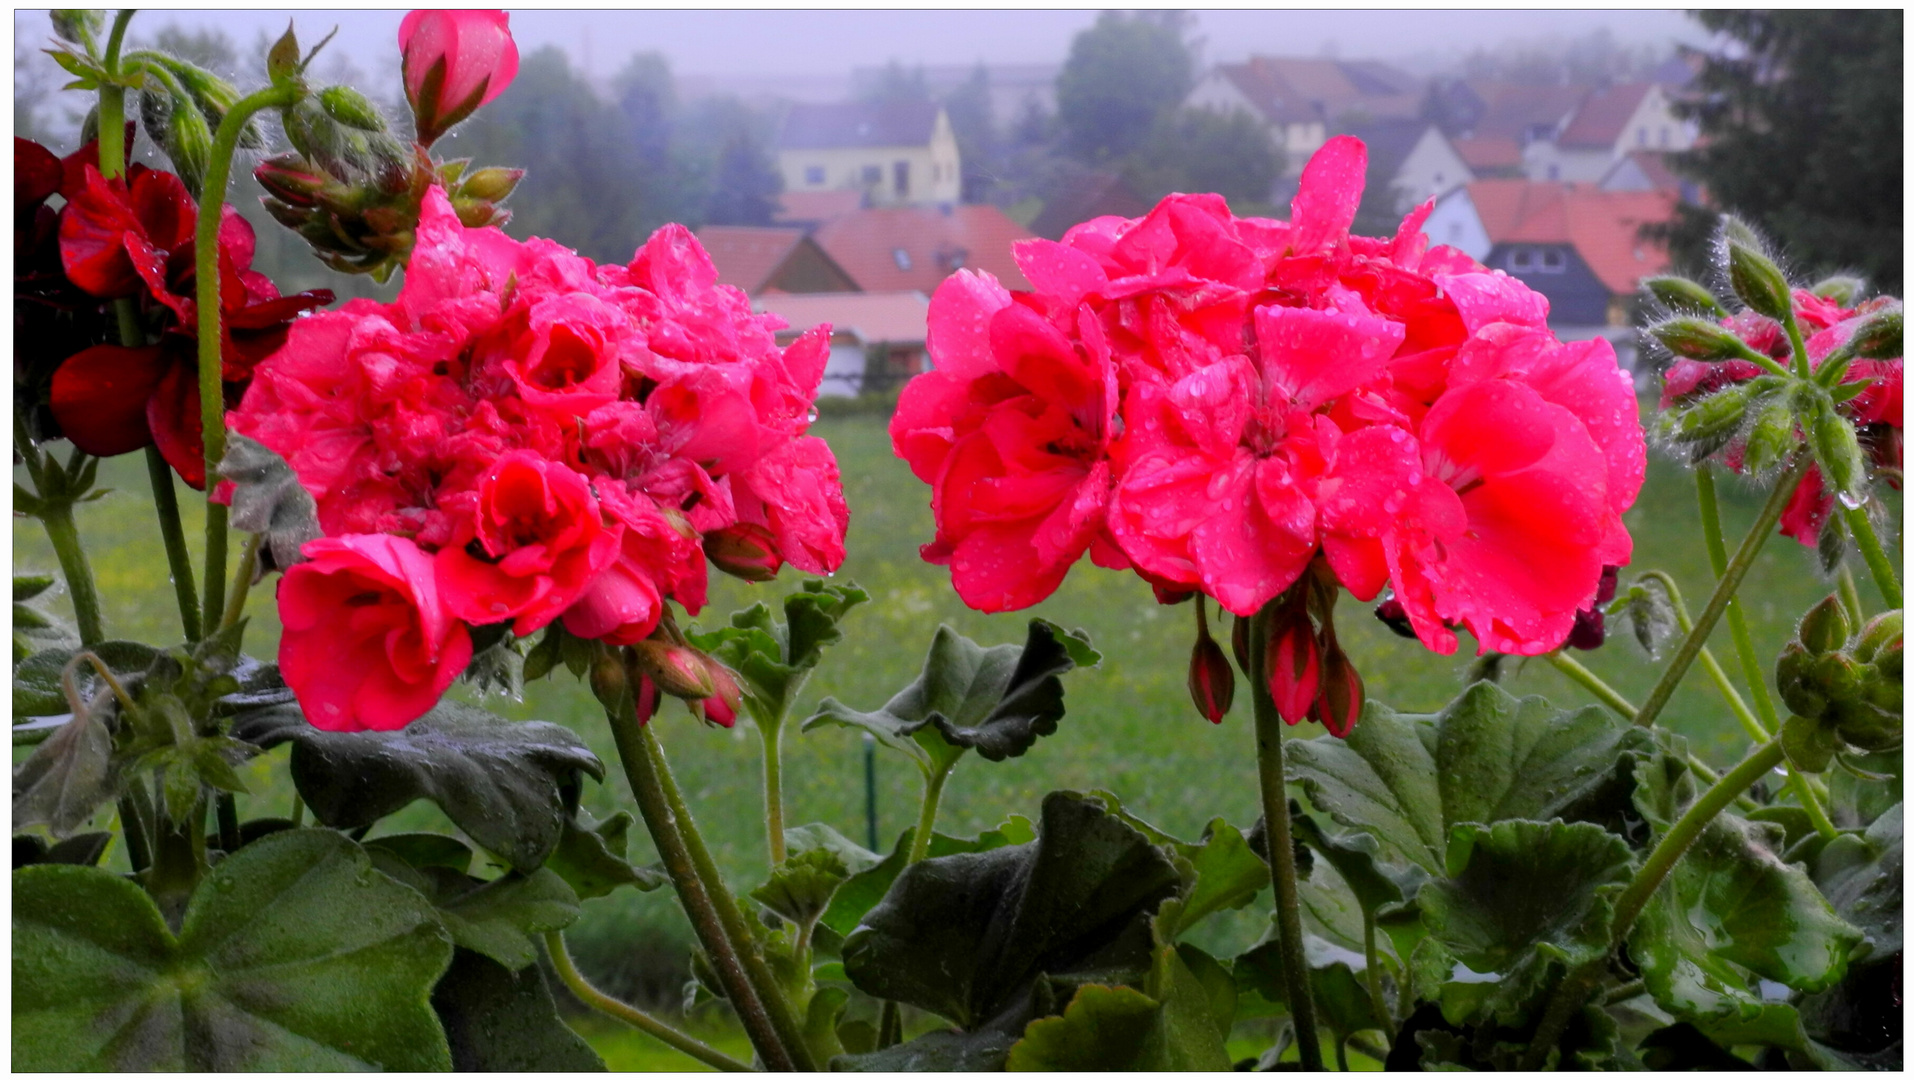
(1414, 158)
(1303, 100)
(1610, 123)
(900, 154)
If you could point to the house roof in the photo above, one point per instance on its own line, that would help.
(1599, 121)
(894, 249)
(748, 255)
(814, 207)
(896, 317)
(1486, 153)
(856, 124)
(1288, 90)
(1513, 109)
(1389, 141)
(1602, 226)
(1653, 165)
(1085, 196)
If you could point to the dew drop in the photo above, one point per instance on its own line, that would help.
(1852, 501)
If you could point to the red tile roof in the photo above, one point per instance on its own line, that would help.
(904, 248)
(814, 207)
(1599, 121)
(1513, 110)
(1602, 226)
(1654, 168)
(1489, 152)
(899, 318)
(747, 255)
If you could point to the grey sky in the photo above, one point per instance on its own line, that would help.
(808, 42)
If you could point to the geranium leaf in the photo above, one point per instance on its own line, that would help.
(1382, 780)
(294, 955)
(498, 1020)
(1223, 874)
(269, 499)
(864, 888)
(1335, 980)
(1860, 874)
(1104, 1029)
(775, 658)
(500, 918)
(967, 935)
(590, 856)
(510, 785)
(82, 850)
(422, 849)
(1518, 886)
(66, 778)
(36, 680)
(800, 887)
(937, 1052)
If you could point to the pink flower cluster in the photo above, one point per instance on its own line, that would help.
(523, 437)
(1827, 326)
(1214, 401)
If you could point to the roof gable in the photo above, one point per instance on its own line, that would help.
(902, 248)
(857, 125)
(1602, 116)
(1603, 227)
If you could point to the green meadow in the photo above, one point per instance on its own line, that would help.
(1130, 728)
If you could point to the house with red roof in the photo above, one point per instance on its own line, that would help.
(1302, 100)
(1578, 245)
(897, 154)
(914, 248)
(877, 339)
(770, 259)
(1607, 125)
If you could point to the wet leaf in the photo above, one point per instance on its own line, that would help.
(774, 658)
(293, 954)
(1521, 886)
(36, 680)
(862, 891)
(590, 856)
(66, 778)
(1860, 874)
(498, 1020)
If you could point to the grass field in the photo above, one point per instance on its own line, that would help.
(1130, 728)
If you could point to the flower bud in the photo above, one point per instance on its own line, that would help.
(1794, 679)
(1770, 438)
(1879, 336)
(491, 184)
(1239, 641)
(1713, 417)
(1839, 679)
(1396, 617)
(678, 671)
(1340, 703)
(1212, 683)
(1840, 290)
(289, 179)
(454, 62)
(1881, 632)
(1758, 281)
(1295, 666)
(1838, 451)
(77, 25)
(1807, 745)
(607, 678)
(744, 551)
(1824, 629)
(1589, 632)
(647, 700)
(282, 61)
(722, 707)
(1867, 727)
(1681, 294)
(1697, 339)
(189, 142)
(351, 108)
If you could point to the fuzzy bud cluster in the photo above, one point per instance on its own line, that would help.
(1843, 686)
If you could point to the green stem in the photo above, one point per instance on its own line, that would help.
(1574, 989)
(582, 989)
(1800, 359)
(1724, 592)
(1623, 992)
(1342, 1055)
(133, 826)
(114, 39)
(1850, 596)
(698, 904)
(1877, 561)
(730, 916)
(927, 813)
(1282, 855)
(242, 580)
(298, 811)
(773, 737)
(1372, 970)
(173, 535)
(1751, 668)
(1592, 682)
(65, 536)
(212, 401)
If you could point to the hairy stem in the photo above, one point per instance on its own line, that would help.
(1877, 561)
(65, 536)
(1372, 970)
(890, 1026)
(212, 401)
(1736, 569)
(698, 904)
(134, 824)
(1850, 596)
(242, 580)
(773, 736)
(584, 991)
(1591, 682)
(226, 812)
(1282, 855)
(179, 561)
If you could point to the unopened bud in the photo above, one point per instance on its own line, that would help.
(1340, 703)
(1396, 617)
(491, 184)
(351, 108)
(1868, 727)
(1879, 336)
(1840, 290)
(678, 671)
(1794, 678)
(1681, 294)
(282, 61)
(1212, 683)
(1589, 632)
(289, 179)
(1842, 681)
(1824, 629)
(1696, 338)
(607, 678)
(1295, 665)
(189, 142)
(474, 213)
(1758, 281)
(745, 551)
(721, 708)
(1838, 451)
(1770, 438)
(1239, 641)
(77, 25)
(1713, 417)
(1881, 632)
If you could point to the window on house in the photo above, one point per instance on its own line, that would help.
(901, 258)
(873, 175)
(1438, 180)
(1551, 261)
(1455, 232)
(1641, 136)
(1522, 260)
(900, 173)
(1662, 136)
(814, 175)
(1554, 172)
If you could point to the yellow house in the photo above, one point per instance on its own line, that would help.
(897, 155)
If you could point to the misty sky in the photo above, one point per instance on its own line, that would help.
(797, 42)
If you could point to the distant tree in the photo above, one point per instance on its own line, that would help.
(968, 107)
(1193, 150)
(1801, 126)
(1594, 57)
(727, 150)
(896, 84)
(670, 185)
(1122, 74)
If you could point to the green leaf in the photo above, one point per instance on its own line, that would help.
(36, 680)
(1382, 780)
(591, 857)
(817, 836)
(1861, 877)
(775, 658)
(1517, 886)
(1730, 911)
(800, 887)
(938, 1052)
(1335, 980)
(1104, 1029)
(294, 954)
(1354, 857)
(28, 586)
(511, 786)
(501, 917)
(862, 891)
(420, 850)
(86, 849)
(998, 701)
(967, 935)
(498, 1020)
(1220, 874)
(67, 777)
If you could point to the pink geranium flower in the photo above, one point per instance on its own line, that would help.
(454, 62)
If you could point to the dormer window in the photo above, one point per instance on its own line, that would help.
(1551, 261)
(1522, 260)
(901, 258)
